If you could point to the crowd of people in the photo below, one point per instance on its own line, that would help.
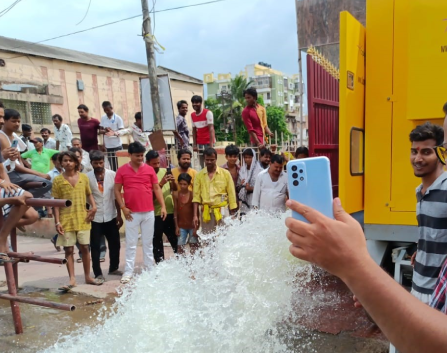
(152, 197)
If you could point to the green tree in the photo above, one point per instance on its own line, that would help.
(276, 120)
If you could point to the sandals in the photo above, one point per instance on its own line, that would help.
(66, 289)
(99, 281)
(125, 279)
(4, 258)
(102, 259)
(58, 248)
(79, 260)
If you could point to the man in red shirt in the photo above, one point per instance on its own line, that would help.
(202, 127)
(88, 128)
(251, 119)
(140, 184)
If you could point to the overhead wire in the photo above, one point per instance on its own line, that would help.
(83, 18)
(108, 24)
(9, 8)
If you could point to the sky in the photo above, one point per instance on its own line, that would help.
(220, 37)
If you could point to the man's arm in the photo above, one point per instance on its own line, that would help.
(212, 137)
(57, 145)
(118, 197)
(256, 193)
(174, 198)
(159, 196)
(69, 135)
(232, 201)
(423, 329)
(92, 211)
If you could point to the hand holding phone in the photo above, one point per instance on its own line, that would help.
(168, 170)
(309, 182)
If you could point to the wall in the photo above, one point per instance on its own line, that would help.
(119, 87)
(318, 23)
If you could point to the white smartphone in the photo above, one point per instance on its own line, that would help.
(309, 182)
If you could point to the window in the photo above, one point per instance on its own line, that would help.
(224, 88)
(39, 113)
(357, 151)
(268, 95)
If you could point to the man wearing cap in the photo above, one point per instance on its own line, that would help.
(40, 156)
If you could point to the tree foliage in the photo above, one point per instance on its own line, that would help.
(276, 120)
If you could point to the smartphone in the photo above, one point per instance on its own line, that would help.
(168, 170)
(14, 143)
(309, 182)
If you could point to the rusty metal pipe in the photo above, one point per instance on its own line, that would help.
(34, 185)
(15, 266)
(48, 202)
(31, 256)
(12, 290)
(40, 302)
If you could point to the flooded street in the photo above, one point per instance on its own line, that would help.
(243, 293)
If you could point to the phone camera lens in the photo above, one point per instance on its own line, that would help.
(301, 171)
(295, 175)
(294, 168)
(295, 183)
(302, 178)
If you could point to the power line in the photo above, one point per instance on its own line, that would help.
(111, 23)
(9, 8)
(88, 8)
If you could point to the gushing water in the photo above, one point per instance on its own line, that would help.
(230, 298)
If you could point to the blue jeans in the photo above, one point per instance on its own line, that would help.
(183, 239)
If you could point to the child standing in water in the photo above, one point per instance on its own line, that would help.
(183, 215)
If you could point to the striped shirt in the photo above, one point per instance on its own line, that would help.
(431, 214)
(439, 294)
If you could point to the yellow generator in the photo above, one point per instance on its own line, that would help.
(393, 77)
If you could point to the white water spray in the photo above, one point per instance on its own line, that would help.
(232, 298)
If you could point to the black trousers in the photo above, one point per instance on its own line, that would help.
(167, 227)
(111, 232)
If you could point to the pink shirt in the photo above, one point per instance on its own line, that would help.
(137, 187)
(253, 123)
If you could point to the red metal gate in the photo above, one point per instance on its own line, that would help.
(322, 95)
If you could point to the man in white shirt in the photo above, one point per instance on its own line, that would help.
(137, 133)
(110, 124)
(271, 192)
(62, 134)
(48, 142)
(108, 220)
(87, 167)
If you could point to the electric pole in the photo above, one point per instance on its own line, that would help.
(152, 67)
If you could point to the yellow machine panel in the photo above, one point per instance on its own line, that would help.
(426, 54)
(352, 109)
(406, 71)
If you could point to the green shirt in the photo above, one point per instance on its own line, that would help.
(40, 162)
(166, 189)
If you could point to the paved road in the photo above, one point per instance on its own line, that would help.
(50, 276)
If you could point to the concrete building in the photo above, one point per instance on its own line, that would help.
(318, 23)
(275, 87)
(40, 80)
